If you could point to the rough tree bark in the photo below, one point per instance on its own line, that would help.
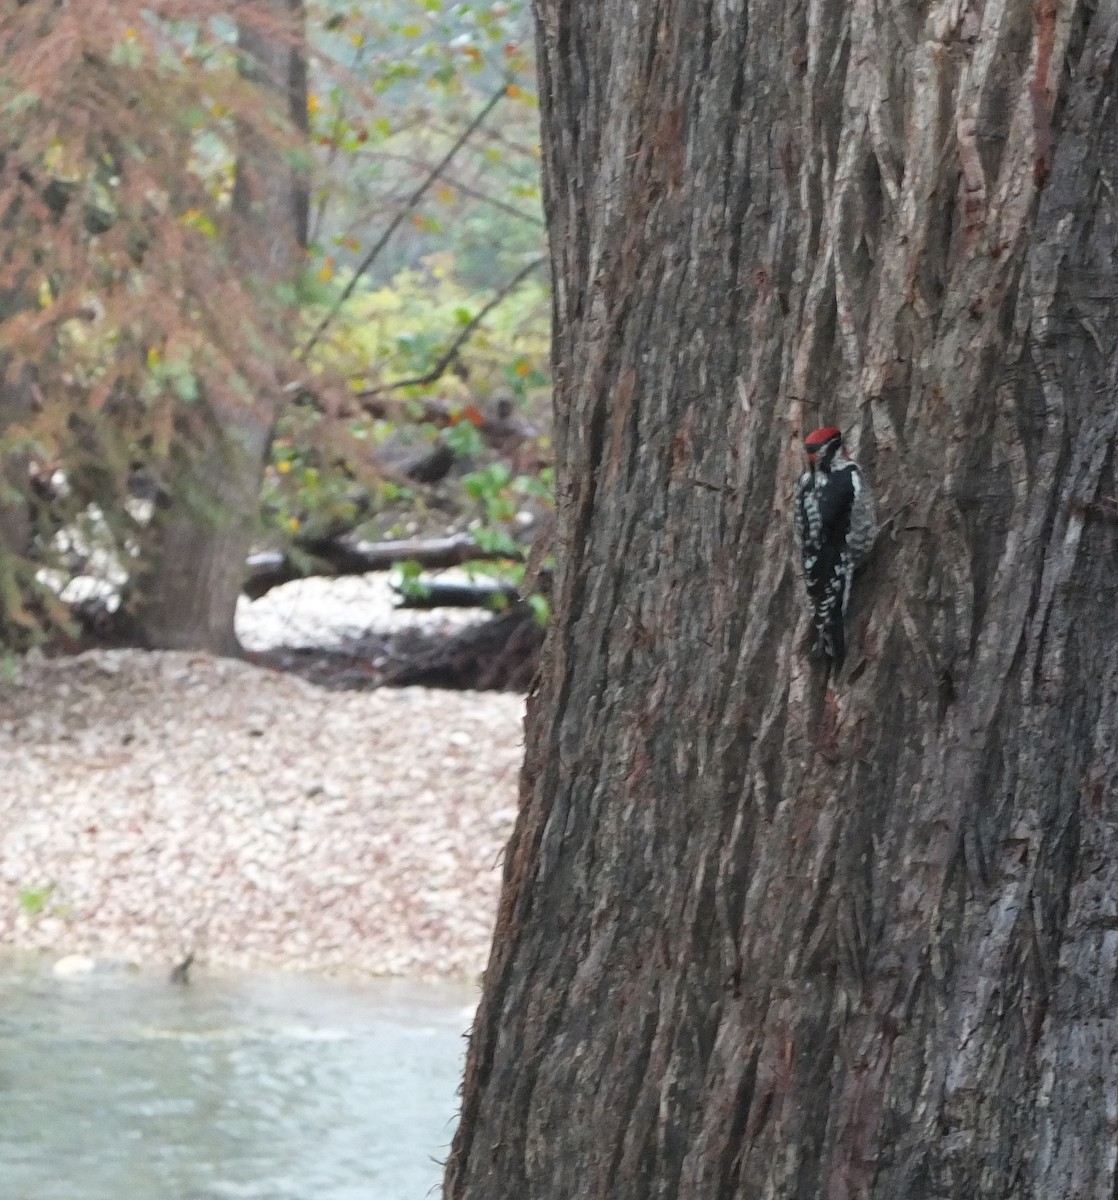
(762, 933)
(189, 596)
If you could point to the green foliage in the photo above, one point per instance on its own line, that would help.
(318, 480)
(328, 474)
(399, 332)
(541, 608)
(418, 71)
(409, 580)
(464, 440)
(33, 901)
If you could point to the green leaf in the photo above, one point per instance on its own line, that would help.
(465, 440)
(34, 900)
(498, 476)
(184, 382)
(496, 541)
(410, 582)
(540, 606)
(499, 508)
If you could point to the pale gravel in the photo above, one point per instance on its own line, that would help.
(321, 611)
(175, 802)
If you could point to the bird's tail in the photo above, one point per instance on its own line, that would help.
(832, 637)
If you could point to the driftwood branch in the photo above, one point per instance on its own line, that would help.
(270, 569)
(443, 593)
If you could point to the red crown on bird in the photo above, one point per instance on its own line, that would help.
(819, 437)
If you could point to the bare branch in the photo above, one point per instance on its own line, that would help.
(465, 188)
(398, 219)
(447, 357)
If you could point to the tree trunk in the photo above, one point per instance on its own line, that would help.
(15, 512)
(189, 597)
(766, 933)
(17, 399)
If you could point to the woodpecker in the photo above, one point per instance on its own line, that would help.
(836, 524)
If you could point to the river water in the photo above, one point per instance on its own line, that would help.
(118, 1086)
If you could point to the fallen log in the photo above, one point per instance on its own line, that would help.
(341, 556)
(501, 654)
(497, 654)
(445, 593)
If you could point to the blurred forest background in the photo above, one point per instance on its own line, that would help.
(273, 302)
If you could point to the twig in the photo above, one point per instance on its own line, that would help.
(319, 221)
(447, 357)
(465, 188)
(398, 219)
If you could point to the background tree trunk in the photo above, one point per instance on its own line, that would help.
(765, 934)
(17, 398)
(199, 547)
(16, 529)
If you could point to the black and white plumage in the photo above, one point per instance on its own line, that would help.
(836, 524)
